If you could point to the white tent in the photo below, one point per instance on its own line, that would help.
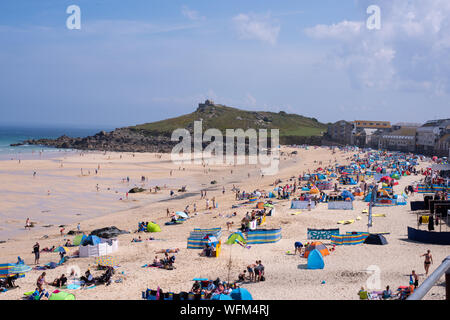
(102, 249)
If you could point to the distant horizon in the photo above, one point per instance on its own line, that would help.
(72, 125)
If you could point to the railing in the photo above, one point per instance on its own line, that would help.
(422, 290)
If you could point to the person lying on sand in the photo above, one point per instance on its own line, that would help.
(168, 250)
(59, 282)
(139, 239)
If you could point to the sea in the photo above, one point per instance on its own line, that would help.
(16, 134)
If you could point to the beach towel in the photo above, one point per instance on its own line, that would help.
(346, 221)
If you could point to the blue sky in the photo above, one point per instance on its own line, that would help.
(144, 60)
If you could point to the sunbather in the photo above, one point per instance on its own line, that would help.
(168, 250)
(139, 239)
(59, 282)
(196, 287)
(88, 279)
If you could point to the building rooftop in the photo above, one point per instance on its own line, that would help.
(403, 132)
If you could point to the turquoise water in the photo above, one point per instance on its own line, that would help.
(15, 134)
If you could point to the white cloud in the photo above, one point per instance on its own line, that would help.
(409, 52)
(191, 14)
(344, 30)
(258, 27)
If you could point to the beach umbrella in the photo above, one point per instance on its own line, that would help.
(221, 297)
(235, 236)
(241, 294)
(21, 268)
(105, 261)
(11, 269)
(181, 214)
(61, 249)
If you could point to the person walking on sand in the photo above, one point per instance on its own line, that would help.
(36, 252)
(78, 227)
(207, 204)
(168, 212)
(428, 261)
(28, 224)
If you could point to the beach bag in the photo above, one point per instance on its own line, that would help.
(263, 278)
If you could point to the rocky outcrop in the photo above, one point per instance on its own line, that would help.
(121, 140)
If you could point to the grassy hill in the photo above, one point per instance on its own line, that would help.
(293, 128)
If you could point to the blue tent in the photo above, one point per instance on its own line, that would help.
(347, 194)
(241, 294)
(315, 260)
(91, 240)
(221, 297)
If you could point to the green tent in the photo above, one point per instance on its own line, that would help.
(235, 236)
(78, 240)
(153, 227)
(61, 296)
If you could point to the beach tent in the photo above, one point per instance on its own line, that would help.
(153, 227)
(376, 239)
(182, 214)
(91, 240)
(236, 236)
(78, 240)
(61, 295)
(319, 246)
(241, 294)
(315, 260)
(221, 297)
(347, 194)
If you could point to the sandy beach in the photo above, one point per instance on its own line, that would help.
(64, 191)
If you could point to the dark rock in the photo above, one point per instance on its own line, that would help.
(74, 232)
(108, 232)
(136, 190)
